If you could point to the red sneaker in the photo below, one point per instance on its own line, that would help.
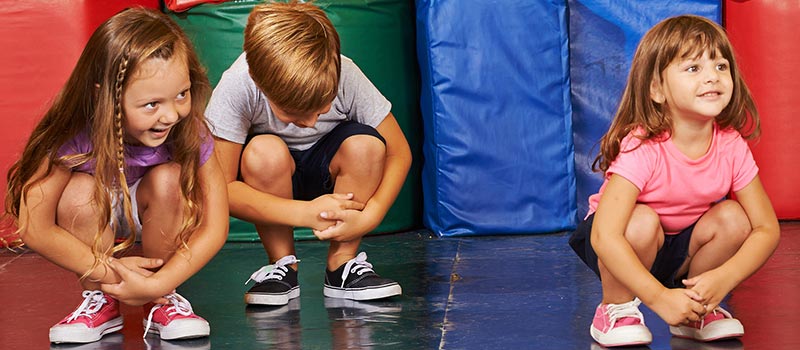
(98, 315)
(620, 325)
(718, 324)
(175, 320)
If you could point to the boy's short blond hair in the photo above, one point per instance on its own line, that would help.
(293, 50)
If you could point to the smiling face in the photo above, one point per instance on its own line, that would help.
(156, 98)
(694, 88)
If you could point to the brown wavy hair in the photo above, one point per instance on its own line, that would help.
(91, 100)
(677, 37)
(293, 54)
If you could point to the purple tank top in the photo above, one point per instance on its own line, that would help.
(138, 159)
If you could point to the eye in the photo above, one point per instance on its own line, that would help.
(722, 67)
(692, 69)
(151, 106)
(183, 95)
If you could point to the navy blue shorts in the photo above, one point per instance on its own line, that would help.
(669, 258)
(312, 177)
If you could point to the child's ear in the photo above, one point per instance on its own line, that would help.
(656, 91)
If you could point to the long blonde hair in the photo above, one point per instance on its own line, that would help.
(292, 51)
(682, 36)
(91, 100)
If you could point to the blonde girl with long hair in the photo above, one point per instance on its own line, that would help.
(662, 229)
(124, 152)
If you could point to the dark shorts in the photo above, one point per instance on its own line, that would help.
(312, 177)
(668, 260)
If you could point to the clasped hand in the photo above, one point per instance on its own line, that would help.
(710, 286)
(338, 217)
(137, 285)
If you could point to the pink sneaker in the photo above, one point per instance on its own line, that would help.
(98, 315)
(620, 325)
(175, 320)
(718, 324)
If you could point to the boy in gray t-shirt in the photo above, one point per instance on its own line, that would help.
(304, 139)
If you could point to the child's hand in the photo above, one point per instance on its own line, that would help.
(141, 265)
(349, 225)
(331, 204)
(136, 286)
(677, 306)
(711, 286)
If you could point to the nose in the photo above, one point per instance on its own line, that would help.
(712, 75)
(169, 114)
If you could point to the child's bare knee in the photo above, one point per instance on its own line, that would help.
(164, 185)
(644, 227)
(362, 149)
(731, 221)
(77, 206)
(264, 156)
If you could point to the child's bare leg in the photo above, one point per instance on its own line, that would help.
(645, 235)
(716, 237)
(267, 166)
(160, 207)
(78, 214)
(357, 168)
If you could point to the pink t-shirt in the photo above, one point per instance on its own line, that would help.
(680, 189)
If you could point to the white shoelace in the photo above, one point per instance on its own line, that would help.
(93, 300)
(726, 314)
(179, 305)
(357, 265)
(629, 309)
(275, 271)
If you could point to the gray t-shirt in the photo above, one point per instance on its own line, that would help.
(238, 108)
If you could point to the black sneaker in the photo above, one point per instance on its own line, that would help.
(356, 280)
(276, 284)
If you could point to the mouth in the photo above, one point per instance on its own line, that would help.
(710, 94)
(160, 132)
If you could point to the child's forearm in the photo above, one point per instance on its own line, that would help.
(753, 253)
(201, 246)
(251, 205)
(394, 174)
(209, 237)
(63, 249)
(395, 170)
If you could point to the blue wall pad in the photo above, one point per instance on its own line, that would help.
(603, 36)
(496, 117)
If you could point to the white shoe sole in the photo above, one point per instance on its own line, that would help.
(370, 293)
(181, 329)
(271, 299)
(622, 336)
(79, 333)
(720, 329)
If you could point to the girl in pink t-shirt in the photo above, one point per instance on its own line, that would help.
(661, 230)
(124, 151)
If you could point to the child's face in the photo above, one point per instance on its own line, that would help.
(157, 98)
(695, 88)
(302, 120)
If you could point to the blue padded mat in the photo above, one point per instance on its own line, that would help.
(496, 117)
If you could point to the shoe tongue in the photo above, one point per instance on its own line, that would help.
(628, 321)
